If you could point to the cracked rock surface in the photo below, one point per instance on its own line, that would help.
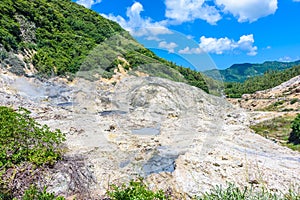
(174, 135)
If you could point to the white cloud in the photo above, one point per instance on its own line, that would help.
(188, 50)
(189, 10)
(169, 46)
(222, 45)
(190, 37)
(296, 0)
(153, 38)
(88, 3)
(285, 59)
(245, 10)
(248, 10)
(137, 25)
(218, 46)
(246, 43)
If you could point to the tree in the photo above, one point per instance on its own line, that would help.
(295, 134)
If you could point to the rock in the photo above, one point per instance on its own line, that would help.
(174, 135)
(284, 92)
(224, 158)
(217, 164)
(240, 165)
(253, 182)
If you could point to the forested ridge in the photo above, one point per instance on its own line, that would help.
(269, 80)
(60, 32)
(65, 38)
(62, 35)
(241, 72)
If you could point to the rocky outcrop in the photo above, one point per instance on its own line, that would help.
(290, 88)
(287, 96)
(176, 136)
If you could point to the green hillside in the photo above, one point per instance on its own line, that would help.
(269, 80)
(240, 72)
(60, 37)
(60, 32)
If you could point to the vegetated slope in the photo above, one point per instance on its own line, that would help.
(279, 129)
(241, 72)
(60, 32)
(258, 83)
(284, 97)
(59, 37)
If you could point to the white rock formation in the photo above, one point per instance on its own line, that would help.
(174, 135)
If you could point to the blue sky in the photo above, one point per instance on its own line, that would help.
(209, 34)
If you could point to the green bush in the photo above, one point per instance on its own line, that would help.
(135, 190)
(293, 101)
(23, 139)
(296, 125)
(34, 194)
(278, 103)
(295, 134)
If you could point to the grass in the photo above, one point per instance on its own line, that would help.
(276, 106)
(137, 190)
(277, 129)
(231, 192)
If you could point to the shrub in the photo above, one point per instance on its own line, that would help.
(23, 139)
(278, 103)
(34, 194)
(135, 190)
(296, 125)
(295, 134)
(293, 101)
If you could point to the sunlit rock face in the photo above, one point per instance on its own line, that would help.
(174, 135)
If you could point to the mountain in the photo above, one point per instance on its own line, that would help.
(269, 80)
(240, 72)
(59, 37)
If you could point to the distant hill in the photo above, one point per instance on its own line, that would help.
(59, 37)
(283, 97)
(269, 80)
(240, 72)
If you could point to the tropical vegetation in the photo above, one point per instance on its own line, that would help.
(241, 72)
(134, 190)
(278, 129)
(295, 134)
(25, 145)
(269, 80)
(64, 38)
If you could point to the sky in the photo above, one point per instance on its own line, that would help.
(207, 34)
